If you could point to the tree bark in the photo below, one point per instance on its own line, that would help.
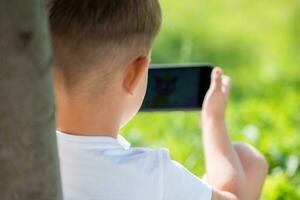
(29, 167)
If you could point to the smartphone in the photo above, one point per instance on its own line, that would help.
(176, 87)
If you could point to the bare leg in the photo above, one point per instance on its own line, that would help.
(255, 167)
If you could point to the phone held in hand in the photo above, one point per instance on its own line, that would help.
(176, 87)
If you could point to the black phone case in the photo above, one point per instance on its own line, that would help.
(203, 71)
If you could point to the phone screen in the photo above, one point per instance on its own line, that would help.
(175, 87)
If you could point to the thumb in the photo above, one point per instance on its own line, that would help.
(216, 78)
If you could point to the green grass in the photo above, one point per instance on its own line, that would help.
(258, 45)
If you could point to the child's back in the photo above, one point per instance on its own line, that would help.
(106, 168)
(101, 57)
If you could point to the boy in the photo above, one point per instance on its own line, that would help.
(101, 57)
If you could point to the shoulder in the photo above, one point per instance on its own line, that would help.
(156, 156)
(179, 182)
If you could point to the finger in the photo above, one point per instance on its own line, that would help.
(226, 80)
(226, 84)
(216, 78)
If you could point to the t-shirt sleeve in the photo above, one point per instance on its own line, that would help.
(180, 184)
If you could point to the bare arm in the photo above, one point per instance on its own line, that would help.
(224, 170)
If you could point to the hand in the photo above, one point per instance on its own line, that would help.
(216, 99)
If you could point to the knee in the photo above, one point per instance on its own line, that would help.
(252, 159)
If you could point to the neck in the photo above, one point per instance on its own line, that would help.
(87, 117)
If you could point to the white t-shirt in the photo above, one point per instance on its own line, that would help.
(104, 168)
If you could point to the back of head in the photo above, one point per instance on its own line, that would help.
(93, 38)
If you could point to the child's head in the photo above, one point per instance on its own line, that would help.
(102, 49)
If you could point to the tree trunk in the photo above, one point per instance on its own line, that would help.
(29, 168)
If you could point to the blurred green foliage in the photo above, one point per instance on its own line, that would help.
(258, 45)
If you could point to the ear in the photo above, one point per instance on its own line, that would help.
(134, 74)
